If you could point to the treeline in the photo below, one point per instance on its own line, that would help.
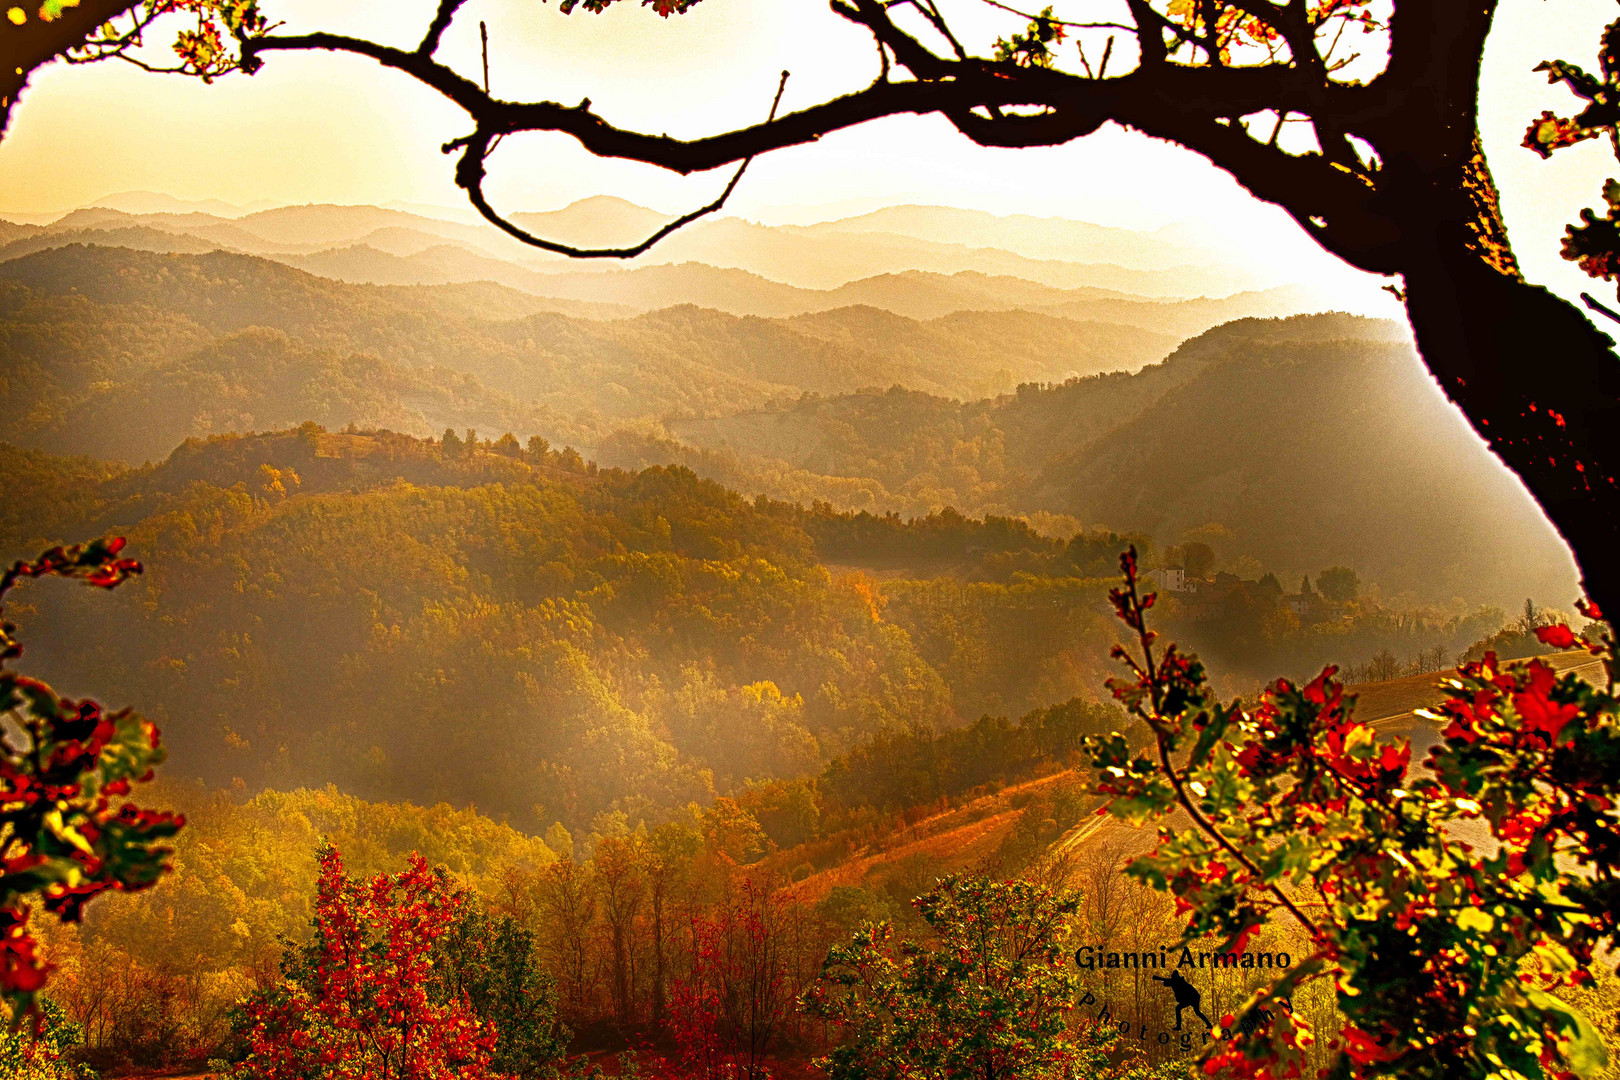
(372, 610)
(895, 772)
(1254, 636)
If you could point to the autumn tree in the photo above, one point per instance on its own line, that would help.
(729, 1009)
(490, 963)
(357, 1000)
(565, 899)
(987, 997)
(672, 851)
(620, 873)
(1340, 584)
(1197, 558)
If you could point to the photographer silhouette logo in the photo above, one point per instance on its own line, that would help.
(1187, 995)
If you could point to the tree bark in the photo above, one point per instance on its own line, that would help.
(24, 48)
(1536, 380)
(1539, 384)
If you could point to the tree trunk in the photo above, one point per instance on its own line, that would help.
(658, 953)
(1535, 379)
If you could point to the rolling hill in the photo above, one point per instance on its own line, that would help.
(1305, 442)
(1156, 281)
(356, 240)
(90, 334)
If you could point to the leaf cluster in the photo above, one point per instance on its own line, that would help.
(67, 834)
(1444, 956)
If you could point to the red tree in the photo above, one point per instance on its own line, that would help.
(1450, 910)
(726, 1014)
(355, 1001)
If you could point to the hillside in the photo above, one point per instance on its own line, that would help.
(410, 621)
(918, 294)
(1024, 234)
(376, 611)
(388, 247)
(91, 333)
(1305, 443)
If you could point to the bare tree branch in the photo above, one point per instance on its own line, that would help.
(470, 175)
(441, 22)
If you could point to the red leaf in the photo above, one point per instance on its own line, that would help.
(1559, 637)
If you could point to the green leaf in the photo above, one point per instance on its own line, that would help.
(1581, 1045)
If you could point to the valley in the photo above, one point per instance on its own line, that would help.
(770, 576)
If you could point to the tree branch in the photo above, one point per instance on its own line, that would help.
(1181, 102)
(441, 22)
(470, 175)
(24, 48)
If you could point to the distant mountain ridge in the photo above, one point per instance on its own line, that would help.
(175, 342)
(1023, 234)
(1052, 252)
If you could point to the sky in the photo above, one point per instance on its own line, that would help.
(329, 128)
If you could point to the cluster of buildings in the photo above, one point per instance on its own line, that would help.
(1205, 599)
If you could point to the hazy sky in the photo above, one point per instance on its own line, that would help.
(327, 128)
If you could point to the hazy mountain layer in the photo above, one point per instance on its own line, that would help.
(366, 244)
(123, 353)
(1307, 442)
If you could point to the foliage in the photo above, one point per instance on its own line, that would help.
(358, 1000)
(1162, 451)
(41, 1052)
(1595, 243)
(729, 1010)
(489, 962)
(626, 631)
(986, 997)
(1032, 48)
(1339, 584)
(152, 979)
(919, 768)
(1445, 955)
(1520, 638)
(205, 49)
(66, 836)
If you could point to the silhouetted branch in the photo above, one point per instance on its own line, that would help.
(1590, 301)
(441, 22)
(470, 175)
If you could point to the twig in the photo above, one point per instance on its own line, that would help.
(1151, 675)
(483, 38)
(1592, 303)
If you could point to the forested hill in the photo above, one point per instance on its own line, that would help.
(512, 628)
(515, 628)
(1297, 443)
(170, 346)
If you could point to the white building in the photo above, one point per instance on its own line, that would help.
(1168, 579)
